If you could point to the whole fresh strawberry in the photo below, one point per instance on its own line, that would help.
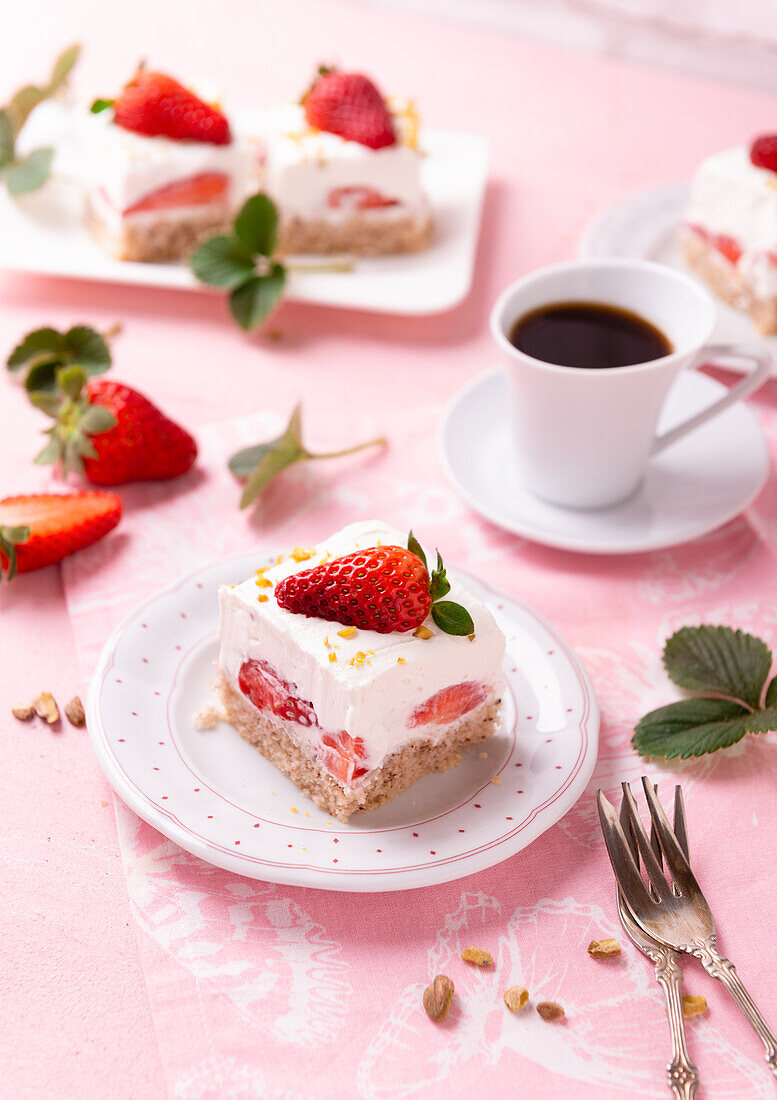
(156, 105)
(383, 588)
(110, 433)
(349, 104)
(42, 528)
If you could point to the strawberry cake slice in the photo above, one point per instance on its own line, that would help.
(163, 170)
(356, 671)
(344, 168)
(729, 237)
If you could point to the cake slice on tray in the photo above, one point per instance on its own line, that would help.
(163, 170)
(729, 237)
(354, 670)
(344, 168)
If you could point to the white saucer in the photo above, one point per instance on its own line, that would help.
(644, 226)
(701, 482)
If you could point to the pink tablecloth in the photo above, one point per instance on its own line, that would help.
(160, 976)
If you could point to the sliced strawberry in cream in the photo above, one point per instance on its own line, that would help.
(201, 190)
(449, 704)
(260, 683)
(358, 198)
(342, 756)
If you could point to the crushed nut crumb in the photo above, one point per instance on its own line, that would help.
(497, 781)
(400, 660)
(482, 756)
(604, 949)
(208, 717)
(516, 997)
(294, 810)
(46, 707)
(333, 657)
(693, 1005)
(550, 1010)
(477, 956)
(74, 712)
(302, 553)
(23, 713)
(262, 598)
(346, 632)
(437, 997)
(423, 632)
(262, 582)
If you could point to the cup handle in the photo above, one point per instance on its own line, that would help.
(751, 382)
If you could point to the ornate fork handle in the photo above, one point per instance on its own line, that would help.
(722, 969)
(682, 1074)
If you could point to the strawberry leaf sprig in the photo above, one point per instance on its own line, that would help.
(728, 672)
(243, 262)
(260, 464)
(449, 616)
(26, 173)
(46, 350)
(10, 538)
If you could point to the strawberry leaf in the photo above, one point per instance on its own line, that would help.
(415, 547)
(63, 67)
(439, 585)
(100, 105)
(718, 660)
(43, 345)
(257, 225)
(29, 173)
(696, 727)
(97, 420)
(86, 348)
(770, 699)
(452, 618)
(253, 302)
(10, 538)
(71, 381)
(223, 261)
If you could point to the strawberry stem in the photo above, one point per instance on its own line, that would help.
(325, 266)
(381, 441)
(111, 331)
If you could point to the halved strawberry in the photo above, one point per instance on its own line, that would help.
(39, 529)
(728, 247)
(341, 755)
(448, 705)
(267, 690)
(358, 198)
(199, 190)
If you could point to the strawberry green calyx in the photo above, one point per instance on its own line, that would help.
(76, 420)
(10, 537)
(449, 616)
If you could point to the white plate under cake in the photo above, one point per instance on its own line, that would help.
(213, 794)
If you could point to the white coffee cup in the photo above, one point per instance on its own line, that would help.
(582, 438)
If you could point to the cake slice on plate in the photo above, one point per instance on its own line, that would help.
(730, 233)
(340, 663)
(344, 168)
(164, 171)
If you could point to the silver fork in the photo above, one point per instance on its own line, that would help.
(681, 920)
(682, 1074)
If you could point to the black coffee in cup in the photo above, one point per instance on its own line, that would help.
(589, 335)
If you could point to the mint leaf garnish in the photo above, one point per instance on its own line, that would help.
(45, 350)
(223, 261)
(27, 173)
(729, 669)
(256, 226)
(452, 618)
(415, 547)
(260, 464)
(254, 300)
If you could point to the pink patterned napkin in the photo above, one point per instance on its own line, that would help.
(270, 991)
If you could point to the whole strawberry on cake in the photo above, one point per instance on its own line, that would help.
(356, 670)
(729, 235)
(344, 168)
(164, 171)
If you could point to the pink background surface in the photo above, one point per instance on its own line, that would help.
(88, 1000)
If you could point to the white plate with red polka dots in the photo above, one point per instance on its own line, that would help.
(216, 796)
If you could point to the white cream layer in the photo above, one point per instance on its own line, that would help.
(374, 699)
(304, 166)
(732, 197)
(127, 167)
